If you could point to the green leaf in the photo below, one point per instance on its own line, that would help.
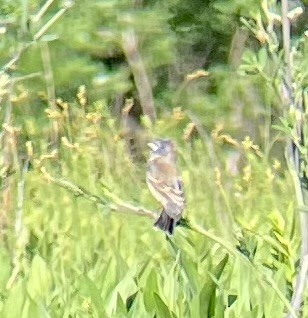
(272, 303)
(120, 308)
(15, 302)
(32, 309)
(190, 269)
(284, 129)
(194, 306)
(5, 268)
(151, 287)
(89, 289)
(138, 308)
(125, 288)
(162, 309)
(219, 311)
(207, 294)
(130, 301)
(262, 57)
(40, 280)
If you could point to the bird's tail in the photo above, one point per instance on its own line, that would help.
(165, 223)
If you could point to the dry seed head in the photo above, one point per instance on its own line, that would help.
(53, 114)
(217, 130)
(94, 117)
(46, 175)
(129, 104)
(52, 155)
(247, 143)
(189, 131)
(276, 18)
(117, 138)
(62, 104)
(228, 139)
(11, 129)
(67, 144)
(197, 74)
(295, 13)
(82, 95)
(24, 94)
(247, 173)
(178, 114)
(4, 81)
(277, 164)
(262, 36)
(59, 101)
(12, 142)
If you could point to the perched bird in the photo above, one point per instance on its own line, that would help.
(165, 184)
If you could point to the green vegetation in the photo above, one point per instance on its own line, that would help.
(76, 217)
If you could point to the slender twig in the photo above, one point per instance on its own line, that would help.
(119, 206)
(20, 199)
(24, 46)
(286, 41)
(50, 22)
(51, 91)
(190, 78)
(19, 227)
(42, 11)
(26, 77)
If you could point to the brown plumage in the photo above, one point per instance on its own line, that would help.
(165, 184)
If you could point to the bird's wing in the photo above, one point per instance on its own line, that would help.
(171, 196)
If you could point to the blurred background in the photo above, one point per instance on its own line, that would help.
(84, 85)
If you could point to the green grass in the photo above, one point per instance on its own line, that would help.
(76, 258)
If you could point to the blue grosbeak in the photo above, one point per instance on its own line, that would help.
(165, 184)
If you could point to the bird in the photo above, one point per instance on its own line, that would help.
(165, 183)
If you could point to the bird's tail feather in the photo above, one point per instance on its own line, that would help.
(165, 223)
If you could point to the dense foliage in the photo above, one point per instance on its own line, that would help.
(73, 150)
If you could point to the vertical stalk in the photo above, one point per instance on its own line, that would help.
(7, 159)
(50, 85)
(130, 48)
(294, 163)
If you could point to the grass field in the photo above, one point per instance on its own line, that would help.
(68, 256)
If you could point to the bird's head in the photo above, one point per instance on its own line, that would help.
(161, 148)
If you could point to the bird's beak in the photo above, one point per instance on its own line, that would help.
(153, 146)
